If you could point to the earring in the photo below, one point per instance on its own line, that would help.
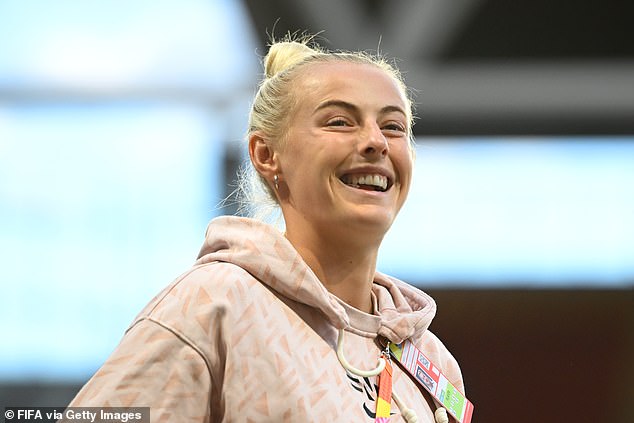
(276, 180)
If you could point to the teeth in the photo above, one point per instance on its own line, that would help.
(379, 181)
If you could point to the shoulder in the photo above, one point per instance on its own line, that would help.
(209, 281)
(199, 302)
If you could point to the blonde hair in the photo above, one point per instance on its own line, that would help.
(275, 99)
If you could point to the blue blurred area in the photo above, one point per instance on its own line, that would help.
(518, 212)
(100, 45)
(115, 118)
(100, 206)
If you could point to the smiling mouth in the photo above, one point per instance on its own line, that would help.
(369, 182)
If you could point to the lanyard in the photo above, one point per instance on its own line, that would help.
(431, 378)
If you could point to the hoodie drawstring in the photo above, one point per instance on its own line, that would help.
(363, 373)
(440, 415)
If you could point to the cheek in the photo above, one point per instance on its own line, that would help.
(403, 160)
(307, 170)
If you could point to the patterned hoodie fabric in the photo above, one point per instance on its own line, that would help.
(249, 335)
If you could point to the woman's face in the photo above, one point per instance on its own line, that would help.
(346, 159)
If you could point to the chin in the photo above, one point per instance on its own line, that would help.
(373, 222)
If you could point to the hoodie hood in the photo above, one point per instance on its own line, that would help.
(402, 311)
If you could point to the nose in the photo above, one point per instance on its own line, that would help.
(373, 143)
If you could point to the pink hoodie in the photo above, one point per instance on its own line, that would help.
(249, 335)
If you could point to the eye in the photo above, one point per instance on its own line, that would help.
(394, 127)
(338, 122)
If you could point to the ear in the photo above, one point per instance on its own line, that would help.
(263, 157)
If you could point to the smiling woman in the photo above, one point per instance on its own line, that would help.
(342, 131)
(299, 326)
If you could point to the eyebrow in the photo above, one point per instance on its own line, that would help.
(354, 109)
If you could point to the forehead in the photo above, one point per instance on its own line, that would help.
(359, 83)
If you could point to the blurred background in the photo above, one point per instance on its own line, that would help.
(122, 127)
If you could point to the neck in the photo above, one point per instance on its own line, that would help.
(345, 268)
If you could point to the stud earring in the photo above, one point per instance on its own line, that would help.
(276, 181)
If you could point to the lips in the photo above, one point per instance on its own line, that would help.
(368, 181)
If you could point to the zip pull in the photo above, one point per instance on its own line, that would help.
(408, 414)
(384, 398)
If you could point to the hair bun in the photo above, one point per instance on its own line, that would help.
(283, 55)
